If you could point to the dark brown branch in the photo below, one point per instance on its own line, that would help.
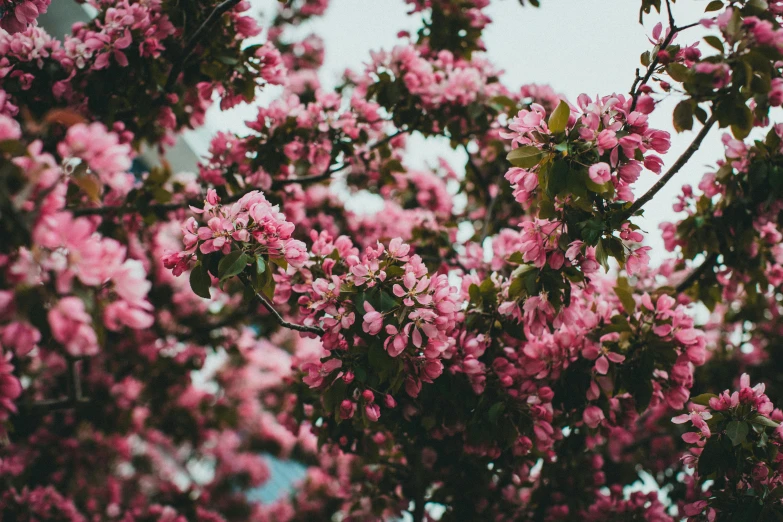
(669, 13)
(261, 298)
(697, 273)
(194, 40)
(681, 161)
(417, 488)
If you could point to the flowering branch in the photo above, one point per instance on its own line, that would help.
(679, 164)
(639, 81)
(281, 321)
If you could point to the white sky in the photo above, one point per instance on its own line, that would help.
(576, 46)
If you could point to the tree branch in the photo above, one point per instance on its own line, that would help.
(261, 298)
(696, 274)
(654, 61)
(417, 485)
(681, 161)
(193, 41)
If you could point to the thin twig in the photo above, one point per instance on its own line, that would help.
(193, 41)
(638, 81)
(285, 324)
(681, 161)
(669, 12)
(696, 274)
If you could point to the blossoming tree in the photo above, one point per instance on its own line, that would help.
(162, 332)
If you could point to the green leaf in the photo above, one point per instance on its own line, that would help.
(714, 41)
(260, 265)
(592, 231)
(516, 258)
(601, 255)
(200, 281)
(279, 261)
(516, 288)
(488, 290)
(678, 72)
(683, 116)
(735, 24)
(737, 431)
(232, 264)
(715, 5)
(757, 7)
(764, 421)
(525, 157)
(475, 293)
(703, 399)
(496, 411)
(558, 178)
(626, 298)
(733, 112)
(559, 118)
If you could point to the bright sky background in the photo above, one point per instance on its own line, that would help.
(576, 46)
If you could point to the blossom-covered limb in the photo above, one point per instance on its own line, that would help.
(262, 299)
(674, 169)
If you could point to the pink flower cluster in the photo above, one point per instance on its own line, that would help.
(727, 417)
(608, 129)
(251, 224)
(16, 15)
(77, 252)
(555, 341)
(104, 153)
(415, 324)
(303, 132)
(441, 80)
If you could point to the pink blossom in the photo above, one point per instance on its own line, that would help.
(600, 173)
(317, 372)
(373, 321)
(71, 326)
(637, 260)
(592, 416)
